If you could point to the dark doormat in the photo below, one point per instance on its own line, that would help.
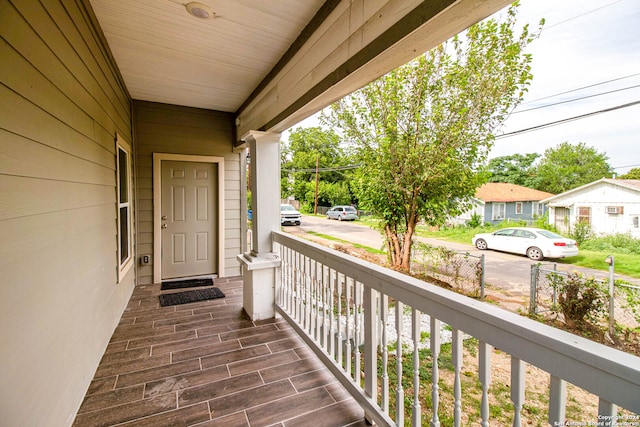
(189, 283)
(190, 296)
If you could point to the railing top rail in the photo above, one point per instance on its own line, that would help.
(607, 372)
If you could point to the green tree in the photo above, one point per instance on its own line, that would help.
(515, 169)
(422, 132)
(632, 174)
(569, 166)
(306, 148)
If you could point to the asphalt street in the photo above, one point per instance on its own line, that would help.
(508, 272)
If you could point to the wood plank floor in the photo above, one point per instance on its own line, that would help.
(206, 364)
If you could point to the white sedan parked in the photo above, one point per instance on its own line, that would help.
(535, 243)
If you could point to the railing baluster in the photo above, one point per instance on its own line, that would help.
(416, 417)
(319, 308)
(484, 365)
(557, 400)
(357, 312)
(340, 283)
(298, 278)
(607, 411)
(308, 296)
(435, 352)
(309, 312)
(517, 389)
(399, 372)
(348, 349)
(369, 324)
(384, 318)
(457, 350)
(325, 307)
(332, 317)
(319, 303)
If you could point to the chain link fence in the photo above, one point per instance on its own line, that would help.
(551, 296)
(459, 270)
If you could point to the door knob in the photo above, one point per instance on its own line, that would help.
(164, 226)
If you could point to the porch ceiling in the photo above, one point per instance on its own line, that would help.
(272, 62)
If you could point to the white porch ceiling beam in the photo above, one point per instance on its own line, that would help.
(356, 43)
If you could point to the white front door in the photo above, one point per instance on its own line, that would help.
(189, 219)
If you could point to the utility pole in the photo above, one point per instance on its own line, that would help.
(315, 202)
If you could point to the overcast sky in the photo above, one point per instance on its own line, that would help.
(587, 48)
(584, 45)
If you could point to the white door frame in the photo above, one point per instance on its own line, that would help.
(157, 206)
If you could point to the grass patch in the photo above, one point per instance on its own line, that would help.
(355, 245)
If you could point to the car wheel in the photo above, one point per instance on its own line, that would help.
(535, 253)
(328, 217)
(481, 244)
(339, 218)
(298, 222)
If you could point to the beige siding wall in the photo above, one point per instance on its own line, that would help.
(61, 104)
(161, 128)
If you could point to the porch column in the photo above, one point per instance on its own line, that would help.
(259, 265)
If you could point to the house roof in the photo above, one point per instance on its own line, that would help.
(631, 184)
(505, 192)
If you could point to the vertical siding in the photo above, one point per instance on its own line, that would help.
(61, 103)
(161, 128)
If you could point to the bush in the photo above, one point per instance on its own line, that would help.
(620, 243)
(580, 299)
(582, 232)
(475, 221)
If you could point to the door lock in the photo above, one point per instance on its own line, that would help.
(164, 217)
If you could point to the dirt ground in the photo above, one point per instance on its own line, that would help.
(582, 407)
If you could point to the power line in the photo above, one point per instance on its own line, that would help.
(626, 166)
(576, 99)
(583, 14)
(570, 119)
(580, 88)
(325, 169)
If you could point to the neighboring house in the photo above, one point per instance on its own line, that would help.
(498, 201)
(609, 205)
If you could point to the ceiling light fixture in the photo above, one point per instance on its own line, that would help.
(199, 10)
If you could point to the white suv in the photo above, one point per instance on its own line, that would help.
(289, 214)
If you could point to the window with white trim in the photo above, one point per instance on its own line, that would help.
(125, 205)
(584, 214)
(518, 208)
(537, 209)
(498, 211)
(635, 221)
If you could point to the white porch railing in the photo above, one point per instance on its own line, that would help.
(340, 306)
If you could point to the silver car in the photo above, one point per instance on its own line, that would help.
(342, 213)
(536, 243)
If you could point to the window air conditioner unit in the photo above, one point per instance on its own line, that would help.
(615, 210)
